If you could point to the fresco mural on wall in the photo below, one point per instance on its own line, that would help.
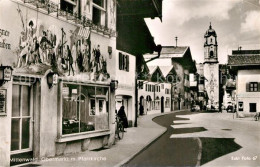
(42, 47)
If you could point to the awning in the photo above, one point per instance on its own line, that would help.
(84, 32)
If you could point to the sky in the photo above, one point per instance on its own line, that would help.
(236, 22)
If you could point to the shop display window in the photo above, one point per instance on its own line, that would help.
(85, 108)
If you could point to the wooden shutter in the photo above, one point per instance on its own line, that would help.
(247, 87)
(120, 60)
(258, 86)
(127, 63)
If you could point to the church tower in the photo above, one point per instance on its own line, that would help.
(211, 67)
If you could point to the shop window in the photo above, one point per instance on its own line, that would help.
(85, 108)
(99, 12)
(123, 62)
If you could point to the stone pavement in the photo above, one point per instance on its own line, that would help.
(135, 140)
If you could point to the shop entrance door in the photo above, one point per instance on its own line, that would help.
(21, 124)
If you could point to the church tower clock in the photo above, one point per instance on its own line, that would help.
(211, 67)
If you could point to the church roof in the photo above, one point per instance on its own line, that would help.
(210, 32)
(244, 59)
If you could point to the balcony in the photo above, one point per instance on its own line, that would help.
(50, 7)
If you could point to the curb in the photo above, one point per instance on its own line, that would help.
(122, 163)
(200, 151)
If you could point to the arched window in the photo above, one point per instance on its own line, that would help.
(211, 54)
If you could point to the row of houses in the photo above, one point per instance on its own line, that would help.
(66, 66)
(167, 85)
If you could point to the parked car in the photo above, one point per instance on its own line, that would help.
(195, 108)
(230, 108)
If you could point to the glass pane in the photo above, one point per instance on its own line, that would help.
(25, 100)
(15, 133)
(99, 2)
(96, 17)
(25, 133)
(70, 117)
(16, 101)
(87, 108)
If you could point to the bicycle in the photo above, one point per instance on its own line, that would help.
(119, 132)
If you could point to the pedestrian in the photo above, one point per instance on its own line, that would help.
(121, 114)
(70, 60)
(141, 109)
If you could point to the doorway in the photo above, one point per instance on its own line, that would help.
(162, 104)
(21, 124)
(252, 107)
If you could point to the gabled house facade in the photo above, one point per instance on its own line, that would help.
(155, 93)
(244, 64)
(180, 58)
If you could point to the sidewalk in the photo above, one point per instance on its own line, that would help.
(135, 140)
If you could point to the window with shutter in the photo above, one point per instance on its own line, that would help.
(127, 63)
(247, 87)
(120, 61)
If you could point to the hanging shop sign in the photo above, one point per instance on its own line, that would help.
(2, 101)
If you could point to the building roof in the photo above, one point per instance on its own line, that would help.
(244, 59)
(210, 32)
(169, 52)
(152, 69)
(242, 52)
(166, 70)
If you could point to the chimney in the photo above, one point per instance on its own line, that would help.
(176, 39)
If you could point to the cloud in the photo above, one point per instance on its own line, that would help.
(251, 23)
(185, 10)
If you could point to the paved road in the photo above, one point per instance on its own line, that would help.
(224, 140)
(224, 127)
(168, 151)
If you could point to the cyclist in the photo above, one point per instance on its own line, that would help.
(121, 114)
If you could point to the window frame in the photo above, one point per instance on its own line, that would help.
(21, 117)
(62, 137)
(101, 9)
(254, 86)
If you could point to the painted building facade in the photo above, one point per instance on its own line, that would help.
(244, 65)
(59, 99)
(211, 67)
